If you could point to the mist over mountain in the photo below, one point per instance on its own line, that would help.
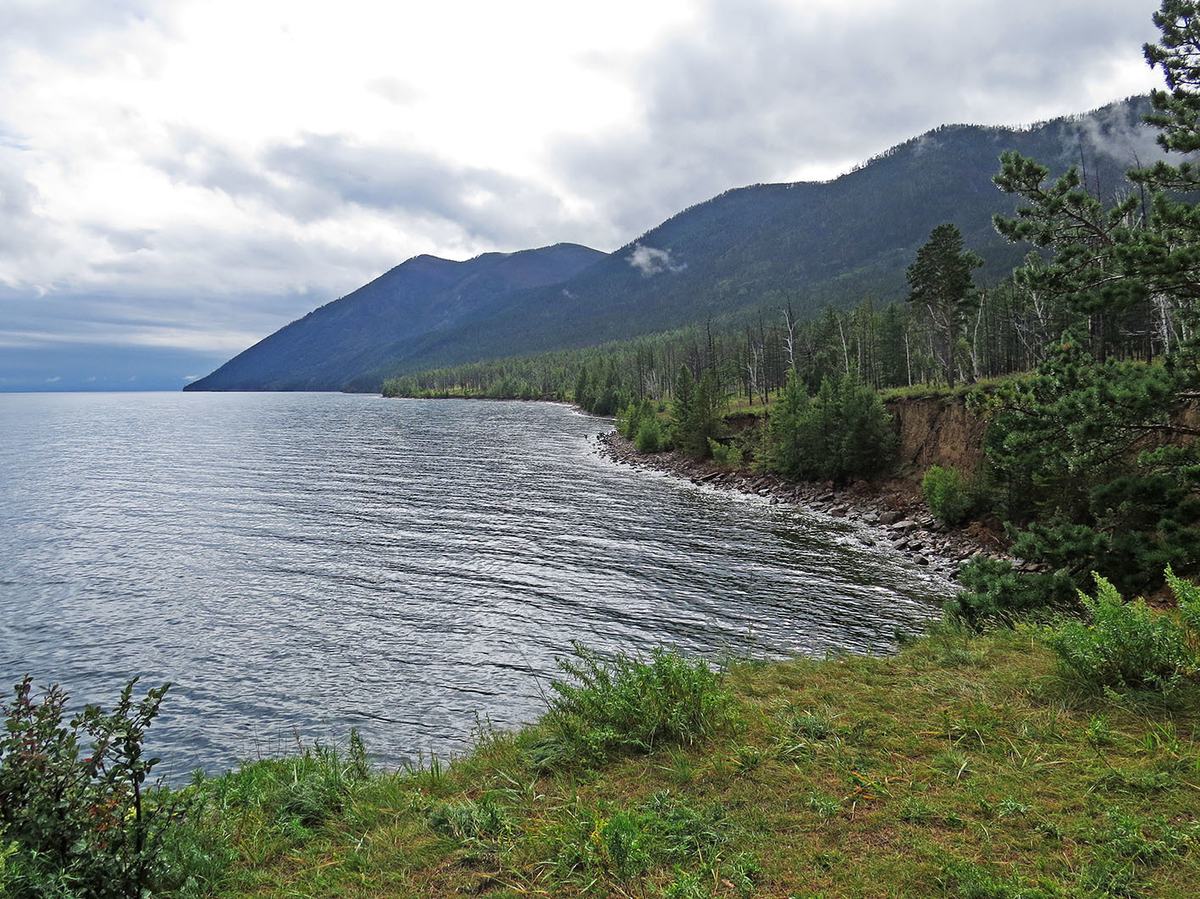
(810, 244)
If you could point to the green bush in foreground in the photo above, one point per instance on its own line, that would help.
(78, 821)
(1129, 645)
(610, 707)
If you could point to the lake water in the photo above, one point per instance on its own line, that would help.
(300, 564)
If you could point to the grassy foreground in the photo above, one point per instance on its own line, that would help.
(958, 767)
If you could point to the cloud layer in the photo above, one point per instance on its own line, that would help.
(190, 176)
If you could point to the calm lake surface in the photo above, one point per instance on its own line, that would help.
(300, 564)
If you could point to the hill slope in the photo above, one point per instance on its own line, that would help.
(372, 325)
(807, 243)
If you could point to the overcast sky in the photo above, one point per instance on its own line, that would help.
(180, 178)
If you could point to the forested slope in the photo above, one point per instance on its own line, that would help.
(807, 243)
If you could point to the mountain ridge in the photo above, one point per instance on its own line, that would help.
(807, 243)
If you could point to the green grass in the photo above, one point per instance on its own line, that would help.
(963, 766)
(925, 391)
(739, 405)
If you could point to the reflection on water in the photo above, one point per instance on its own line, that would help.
(298, 564)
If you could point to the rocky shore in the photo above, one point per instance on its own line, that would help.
(889, 513)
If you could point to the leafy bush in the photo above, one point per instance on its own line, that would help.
(73, 824)
(946, 495)
(606, 708)
(639, 422)
(1129, 645)
(726, 455)
(1187, 596)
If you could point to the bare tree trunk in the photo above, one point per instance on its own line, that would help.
(845, 346)
(789, 321)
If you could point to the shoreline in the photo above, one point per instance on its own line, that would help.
(895, 519)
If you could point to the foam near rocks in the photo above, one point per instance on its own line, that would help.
(886, 519)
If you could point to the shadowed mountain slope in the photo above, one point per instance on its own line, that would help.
(373, 325)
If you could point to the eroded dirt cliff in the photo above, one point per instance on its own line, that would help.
(936, 431)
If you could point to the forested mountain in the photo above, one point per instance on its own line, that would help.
(807, 244)
(374, 324)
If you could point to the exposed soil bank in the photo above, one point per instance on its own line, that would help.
(936, 431)
(931, 432)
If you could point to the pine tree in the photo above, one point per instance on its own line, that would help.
(583, 393)
(1102, 474)
(842, 433)
(1168, 256)
(1091, 244)
(788, 428)
(940, 280)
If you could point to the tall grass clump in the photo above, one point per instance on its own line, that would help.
(609, 707)
(1128, 645)
(261, 812)
(294, 793)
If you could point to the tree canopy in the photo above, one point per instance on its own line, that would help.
(940, 279)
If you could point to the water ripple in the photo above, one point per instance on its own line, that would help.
(298, 564)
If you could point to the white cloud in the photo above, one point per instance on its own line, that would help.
(650, 261)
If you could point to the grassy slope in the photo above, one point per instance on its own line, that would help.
(956, 768)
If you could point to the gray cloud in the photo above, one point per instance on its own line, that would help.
(758, 91)
(753, 91)
(23, 233)
(318, 176)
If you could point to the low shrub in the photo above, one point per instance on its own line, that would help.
(76, 821)
(614, 844)
(609, 707)
(946, 495)
(995, 593)
(725, 455)
(1128, 645)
